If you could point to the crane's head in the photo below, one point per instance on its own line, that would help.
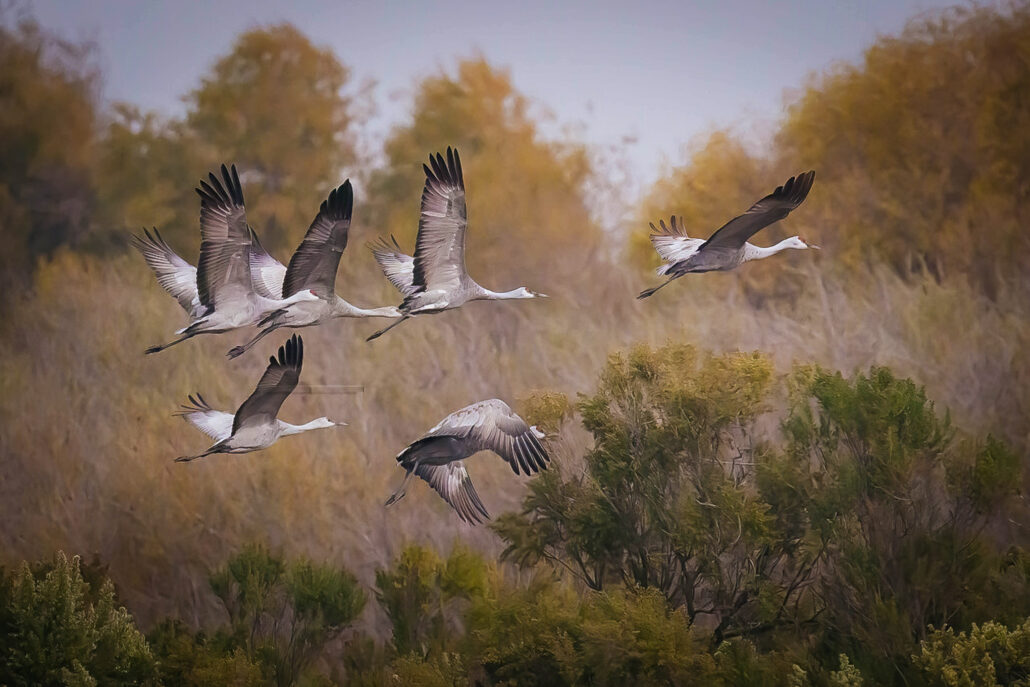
(800, 243)
(325, 423)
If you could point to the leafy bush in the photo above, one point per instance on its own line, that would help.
(283, 613)
(858, 531)
(57, 628)
(989, 654)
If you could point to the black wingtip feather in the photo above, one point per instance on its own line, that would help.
(340, 203)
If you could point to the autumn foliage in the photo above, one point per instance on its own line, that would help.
(811, 470)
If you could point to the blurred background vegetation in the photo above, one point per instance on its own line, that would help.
(809, 471)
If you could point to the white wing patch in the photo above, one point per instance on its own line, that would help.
(398, 267)
(216, 424)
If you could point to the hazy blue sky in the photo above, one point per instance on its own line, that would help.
(659, 73)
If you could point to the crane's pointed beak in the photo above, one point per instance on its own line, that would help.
(812, 245)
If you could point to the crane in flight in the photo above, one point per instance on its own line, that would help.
(435, 279)
(225, 291)
(437, 457)
(313, 266)
(728, 247)
(255, 424)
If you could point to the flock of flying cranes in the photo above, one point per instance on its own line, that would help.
(238, 284)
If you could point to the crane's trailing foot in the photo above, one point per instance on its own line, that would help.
(650, 292)
(386, 329)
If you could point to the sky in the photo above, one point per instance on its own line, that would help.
(643, 78)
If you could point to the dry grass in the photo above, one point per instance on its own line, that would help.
(88, 438)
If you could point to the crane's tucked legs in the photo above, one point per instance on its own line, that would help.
(650, 292)
(161, 347)
(187, 459)
(399, 494)
(237, 351)
(383, 331)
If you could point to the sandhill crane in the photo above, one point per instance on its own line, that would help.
(255, 425)
(437, 279)
(313, 266)
(728, 247)
(224, 285)
(179, 278)
(485, 426)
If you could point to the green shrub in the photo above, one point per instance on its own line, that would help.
(57, 629)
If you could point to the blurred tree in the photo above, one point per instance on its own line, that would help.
(146, 169)
(48, 95)
(275, 105)
(528, 216)
(923, 147)
(922, 154)
(58, 628)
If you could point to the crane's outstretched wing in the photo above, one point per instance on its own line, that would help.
(672, 242)
(440, 246)
(224, 269)
(452, 482)
(396, 265)
(492, 425)
(278, 382)
(266, 273)
(175, 275)
(772, 208)
(214, 423)
(315, 262)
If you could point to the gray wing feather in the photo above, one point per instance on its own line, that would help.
(266, 273)
(315, 262)
(224, 269)
(452, 483)
(492, 425)
(772, 208)
(278, 382)
(175, 275)
(440, 246)
(396, 265)
(214, 423)
(672, 242)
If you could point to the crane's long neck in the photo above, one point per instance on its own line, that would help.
(753, 252)
(342, 308)
(286, 429)
(487, 294)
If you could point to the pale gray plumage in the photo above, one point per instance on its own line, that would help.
(485, 426)
(313, 267)
(175, 275)
(438, 278)
(223, 278)
(266, 273)
(398, 267)
(255, 424)
(728, 247)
